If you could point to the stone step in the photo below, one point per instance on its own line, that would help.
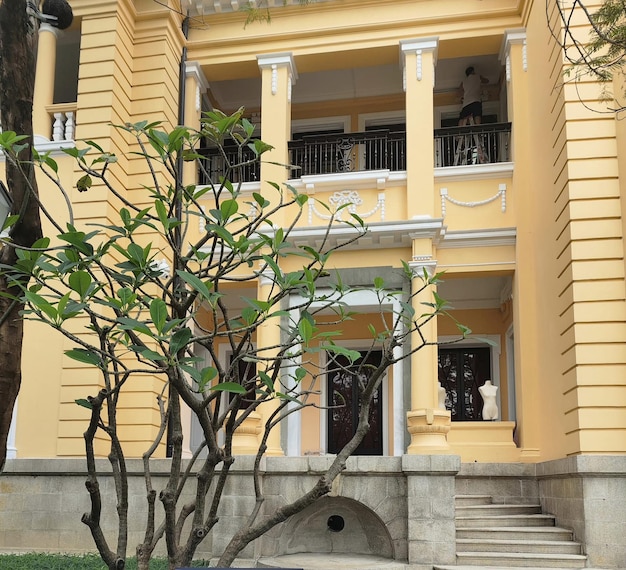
(497, 510)
(466, 500)
(502, 521)
(482, 567)
(521, 560)
(517, 545)
(516, 532)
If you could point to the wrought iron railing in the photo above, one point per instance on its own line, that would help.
(348, 152)
(369, 150)
(238, 164)
(470, 145)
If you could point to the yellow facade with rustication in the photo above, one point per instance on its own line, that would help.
(523, 213)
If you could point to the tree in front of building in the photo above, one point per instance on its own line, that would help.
(141, 298)
(592, 36)
(18, 40)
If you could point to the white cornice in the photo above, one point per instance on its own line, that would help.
(379, 235)
(474, 172)
(478, 238)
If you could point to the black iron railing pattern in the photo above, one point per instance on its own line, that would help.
(471, 145)
(238, 164)
(364, 151)
(348, 152)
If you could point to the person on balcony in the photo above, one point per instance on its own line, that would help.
(470, 90)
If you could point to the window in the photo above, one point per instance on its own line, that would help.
(461, 372)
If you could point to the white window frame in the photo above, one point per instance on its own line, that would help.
(321, 124)
(381, 118)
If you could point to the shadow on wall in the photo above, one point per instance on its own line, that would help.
(336, 525)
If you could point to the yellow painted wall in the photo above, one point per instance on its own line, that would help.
(564, 199)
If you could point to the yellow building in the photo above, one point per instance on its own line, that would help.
(523, 212)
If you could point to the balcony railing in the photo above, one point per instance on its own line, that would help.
(476, 144)
(238, 164)
(370, 150)
(348, 152)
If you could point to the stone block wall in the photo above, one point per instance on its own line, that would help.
(588, 494)
(506, 483)
(398, 505)
(408, 501)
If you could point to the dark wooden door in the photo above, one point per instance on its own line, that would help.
(343, 399)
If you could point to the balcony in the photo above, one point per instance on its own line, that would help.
(364, 151)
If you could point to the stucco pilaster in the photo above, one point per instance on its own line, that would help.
(418, 58)
(427, 424)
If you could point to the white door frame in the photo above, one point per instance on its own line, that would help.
(363, 300)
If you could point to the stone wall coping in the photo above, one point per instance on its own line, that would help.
(431, 464)
(584, 465)
(362, 465)
(498, 470)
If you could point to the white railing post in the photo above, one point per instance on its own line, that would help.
(69, 126)
(58, 129)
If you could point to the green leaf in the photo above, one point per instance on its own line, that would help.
(196, 283)
(228, 208)
(179, 340)
(84, 403)
(259, 147)
(260, 200)
(42, 305)
(465, 331)
(300, 374)
(80, 281)
(85, 356)
(231, 387)
(351, 355)
(267, 380)
(151, 355)
(158, 313)
(10, 221)
(84, 183)
(134, 325)
(305, 328)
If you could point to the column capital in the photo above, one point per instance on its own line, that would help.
(49, 28)
(193, 69)
(283, 59)
(423, 263)
(512, 37)
(418, 47)
(429, 44)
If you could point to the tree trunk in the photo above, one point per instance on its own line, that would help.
(17, 77)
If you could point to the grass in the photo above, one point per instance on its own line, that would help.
(36, 561)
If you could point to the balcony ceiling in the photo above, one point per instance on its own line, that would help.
(356, 82)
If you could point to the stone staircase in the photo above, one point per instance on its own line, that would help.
(500, 537)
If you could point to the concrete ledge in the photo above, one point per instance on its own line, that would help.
(431, 464)
(587, 465)
(497, 470)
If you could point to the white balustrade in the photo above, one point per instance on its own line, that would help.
(63, 127)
